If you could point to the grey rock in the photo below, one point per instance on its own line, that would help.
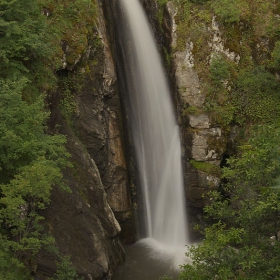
(200, 121)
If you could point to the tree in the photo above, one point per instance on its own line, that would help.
(65, 270)
(21, 33)
(30, 165)
(243, 241)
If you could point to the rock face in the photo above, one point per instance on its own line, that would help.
(187, 79)
(203, 140)
(82, 222)
(86, 222)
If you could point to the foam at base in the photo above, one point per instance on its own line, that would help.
(171, 255)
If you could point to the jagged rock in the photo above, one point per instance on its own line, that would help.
(187, 80)
(217, 43)
(202, 140)
(199, 146)
(172, 12)
(82, 222)
(200, 121)
(200, 184)
(117, 191)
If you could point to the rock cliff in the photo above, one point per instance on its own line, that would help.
(89, 222)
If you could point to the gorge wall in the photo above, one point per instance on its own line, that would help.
(90, 223)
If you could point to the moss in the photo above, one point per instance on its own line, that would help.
(206, 167)
(80, 178)
(218, 144)
(167, 56)
(233, 37)
(193, 23)
(192, 110)
(72, 22)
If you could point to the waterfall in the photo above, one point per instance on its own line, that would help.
(156, 137)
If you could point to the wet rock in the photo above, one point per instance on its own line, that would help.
(83, 222)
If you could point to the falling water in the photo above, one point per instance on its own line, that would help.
(156, 139)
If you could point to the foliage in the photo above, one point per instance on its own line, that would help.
(244, 214)
(256, 97)
(22, 31)
(276, 56)
(219, 70)
(25, 45)
(11, 268)
(30, 162)
(67, 104)
(30, 159)
(65, 270)
(71, 23)
(165, 278)
(198, 1)
(160, 12)
(238, 244)
(223, 114)
(22, 130)
(191, 110)
(259, 161)
(162, 2)
(218, 101)
(34, 36)
(231, 11)
(206, 167)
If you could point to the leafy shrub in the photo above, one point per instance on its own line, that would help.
(275, 55)
(162, 2)
(237, 245)
(30, 165)
(65, 270)
(231, 11)
(219, 70)
(256, 96)
(206, 167)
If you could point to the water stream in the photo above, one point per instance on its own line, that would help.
(157, 141)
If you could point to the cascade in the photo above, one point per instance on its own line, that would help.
(156, 138)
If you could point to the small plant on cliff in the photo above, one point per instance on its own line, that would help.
(219, 71)
(65, 270)
(231, 11)
(275, 63)
(162, 2)
(67, 104)
(206, 167)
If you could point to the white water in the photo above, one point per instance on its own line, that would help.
(157, 141)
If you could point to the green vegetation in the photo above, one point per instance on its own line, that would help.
(65, 270)
(231, 11)
(206, 167)
(219, 71)
(191, 110)
(162, 2)
(31, 157)
(243, 240)
(67, 104)
(256, 96)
